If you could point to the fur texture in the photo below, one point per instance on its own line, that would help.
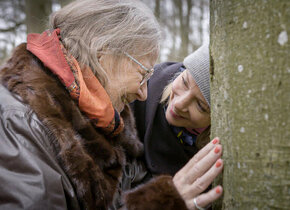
(92, 161)
(159, 193)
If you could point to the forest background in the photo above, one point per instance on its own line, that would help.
(185, 23)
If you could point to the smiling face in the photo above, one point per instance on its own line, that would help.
(187, 106)
(125, 77)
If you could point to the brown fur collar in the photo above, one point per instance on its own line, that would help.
(92, 161)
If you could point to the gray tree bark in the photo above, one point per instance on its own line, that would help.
(250, 100)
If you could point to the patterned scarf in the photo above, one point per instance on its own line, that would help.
(82, 85)
(184, 136)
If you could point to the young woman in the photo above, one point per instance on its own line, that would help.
(174, 122)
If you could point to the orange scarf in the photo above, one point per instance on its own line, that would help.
(82, 84)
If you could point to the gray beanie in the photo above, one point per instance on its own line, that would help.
(197, 63)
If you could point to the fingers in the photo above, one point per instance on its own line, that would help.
(204, 181)
(190, 190)
(204, 164)
(205, 199)
(199, 173)
(201, 154)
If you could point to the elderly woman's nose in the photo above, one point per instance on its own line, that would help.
(142, 92)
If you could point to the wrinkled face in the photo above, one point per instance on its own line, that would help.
(125, 77)
(187, 106)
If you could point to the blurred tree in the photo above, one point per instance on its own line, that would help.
(12, 25)
(250, 101)
(64, 2)
(185, 24)
(37, 13)
(12, 17)
(201, 8)
(157, 9)
(180, 20)
(184, 21)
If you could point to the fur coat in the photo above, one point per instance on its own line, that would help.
(91, 162)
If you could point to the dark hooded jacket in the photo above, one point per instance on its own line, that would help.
(51, 157)
(164, 153)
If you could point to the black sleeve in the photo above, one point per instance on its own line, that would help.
(139, 111)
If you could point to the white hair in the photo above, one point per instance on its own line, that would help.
(89, 27)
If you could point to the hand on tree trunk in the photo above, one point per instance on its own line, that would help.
(195, 177)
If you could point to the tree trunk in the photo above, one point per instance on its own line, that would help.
(250, 101)
(64, 2)
(200, 28)
(37, 13)
(157, 9)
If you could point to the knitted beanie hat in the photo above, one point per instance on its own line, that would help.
(197, 63)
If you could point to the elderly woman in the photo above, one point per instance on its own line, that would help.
(64, 143)
(174, 123)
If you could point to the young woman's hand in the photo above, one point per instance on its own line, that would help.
(198, 174)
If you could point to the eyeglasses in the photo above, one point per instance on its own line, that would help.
(149, 72)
